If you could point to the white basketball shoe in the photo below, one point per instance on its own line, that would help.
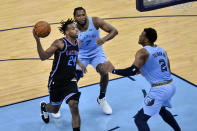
(104, 105)
(56, 115)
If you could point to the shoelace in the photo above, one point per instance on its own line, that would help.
(45, 114)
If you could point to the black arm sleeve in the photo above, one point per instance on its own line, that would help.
(130, 71)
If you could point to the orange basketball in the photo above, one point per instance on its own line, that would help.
(42, 29)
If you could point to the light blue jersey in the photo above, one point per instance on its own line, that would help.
(89, 49)
(156, 69)
(157, 72)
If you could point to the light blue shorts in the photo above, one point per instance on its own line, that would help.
(94, 61)
(162, 96)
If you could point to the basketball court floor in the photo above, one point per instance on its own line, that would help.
(24, 77)
(124, 95)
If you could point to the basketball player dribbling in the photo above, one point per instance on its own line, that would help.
(62, 82)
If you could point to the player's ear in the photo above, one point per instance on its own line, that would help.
(66, 32)
(146, 39)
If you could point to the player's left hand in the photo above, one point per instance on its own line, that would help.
(82, 67)
(99, 41)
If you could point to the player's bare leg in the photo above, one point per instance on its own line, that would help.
(76, 121)
(103, 87)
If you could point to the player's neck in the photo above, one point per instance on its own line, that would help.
(72, 40)
(149, 44)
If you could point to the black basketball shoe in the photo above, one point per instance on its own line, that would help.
(44, 113)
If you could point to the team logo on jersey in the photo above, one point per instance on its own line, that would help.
(149, 101)
(72, 52)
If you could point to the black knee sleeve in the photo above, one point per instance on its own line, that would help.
(165, 114)
(141, 121)
(169, 118)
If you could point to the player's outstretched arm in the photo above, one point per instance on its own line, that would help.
(140, 59)
(45, 54)
(112, 32)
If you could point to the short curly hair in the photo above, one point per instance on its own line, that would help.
(78, 8)
(64, 25)
(151, 34)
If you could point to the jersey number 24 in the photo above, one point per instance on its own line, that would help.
(72, 61)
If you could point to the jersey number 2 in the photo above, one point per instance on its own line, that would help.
(163, 65)
(72, 59)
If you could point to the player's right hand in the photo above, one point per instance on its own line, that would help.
(35, 35)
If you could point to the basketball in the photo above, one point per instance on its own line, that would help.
(42, 29)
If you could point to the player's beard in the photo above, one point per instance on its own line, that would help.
(74, 36)
(141, 42)
(82, 24)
